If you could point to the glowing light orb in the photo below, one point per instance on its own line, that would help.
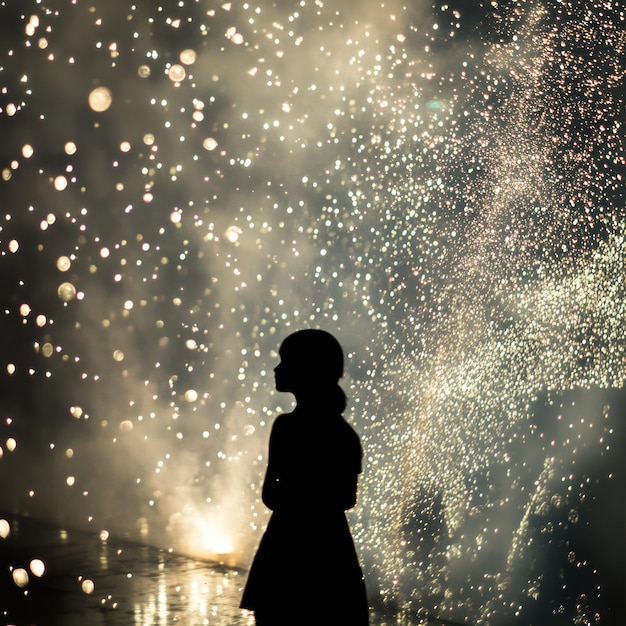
(209, 143)
(66, 291)
(60, 183)
(64, 263)
(177, 73)
(76, 412)
(233, 233)
(5, 528)
(37, 567)
(100, 99)
(20, 577)
(191, 395)
(88, 586)
(188, 56)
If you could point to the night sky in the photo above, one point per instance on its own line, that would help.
(440, 185)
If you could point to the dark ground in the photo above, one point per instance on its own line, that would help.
(133, 584)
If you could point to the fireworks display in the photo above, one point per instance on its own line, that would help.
(440, 185)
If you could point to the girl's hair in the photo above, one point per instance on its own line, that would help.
(320, 359)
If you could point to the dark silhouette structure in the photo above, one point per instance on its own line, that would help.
(306, 569)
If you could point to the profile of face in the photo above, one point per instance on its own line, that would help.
(286, 375)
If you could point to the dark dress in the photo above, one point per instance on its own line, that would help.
(306, 568)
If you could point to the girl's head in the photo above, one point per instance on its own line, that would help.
(311, 361)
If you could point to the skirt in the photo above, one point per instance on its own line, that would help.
(306, 570)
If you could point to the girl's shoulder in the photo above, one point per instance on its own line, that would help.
(347, 428)
(283, 418)
(282, 422)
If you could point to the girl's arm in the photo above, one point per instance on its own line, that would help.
(347, 491)
(272, 489)
(271, 493)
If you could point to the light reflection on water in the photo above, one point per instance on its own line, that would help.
(188, 592)
(133, 584)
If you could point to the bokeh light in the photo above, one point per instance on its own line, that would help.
(5, 528)
(100, 99)
(20, 577)
(440, 184)
(37, 567)
(88, 586)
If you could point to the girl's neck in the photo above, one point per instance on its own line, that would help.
(313, 404)
(306, 403)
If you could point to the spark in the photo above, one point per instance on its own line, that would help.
(445, 199)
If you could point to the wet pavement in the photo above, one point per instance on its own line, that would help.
(91, 582)
(88, 581)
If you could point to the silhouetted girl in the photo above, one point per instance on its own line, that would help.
(306, 571)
